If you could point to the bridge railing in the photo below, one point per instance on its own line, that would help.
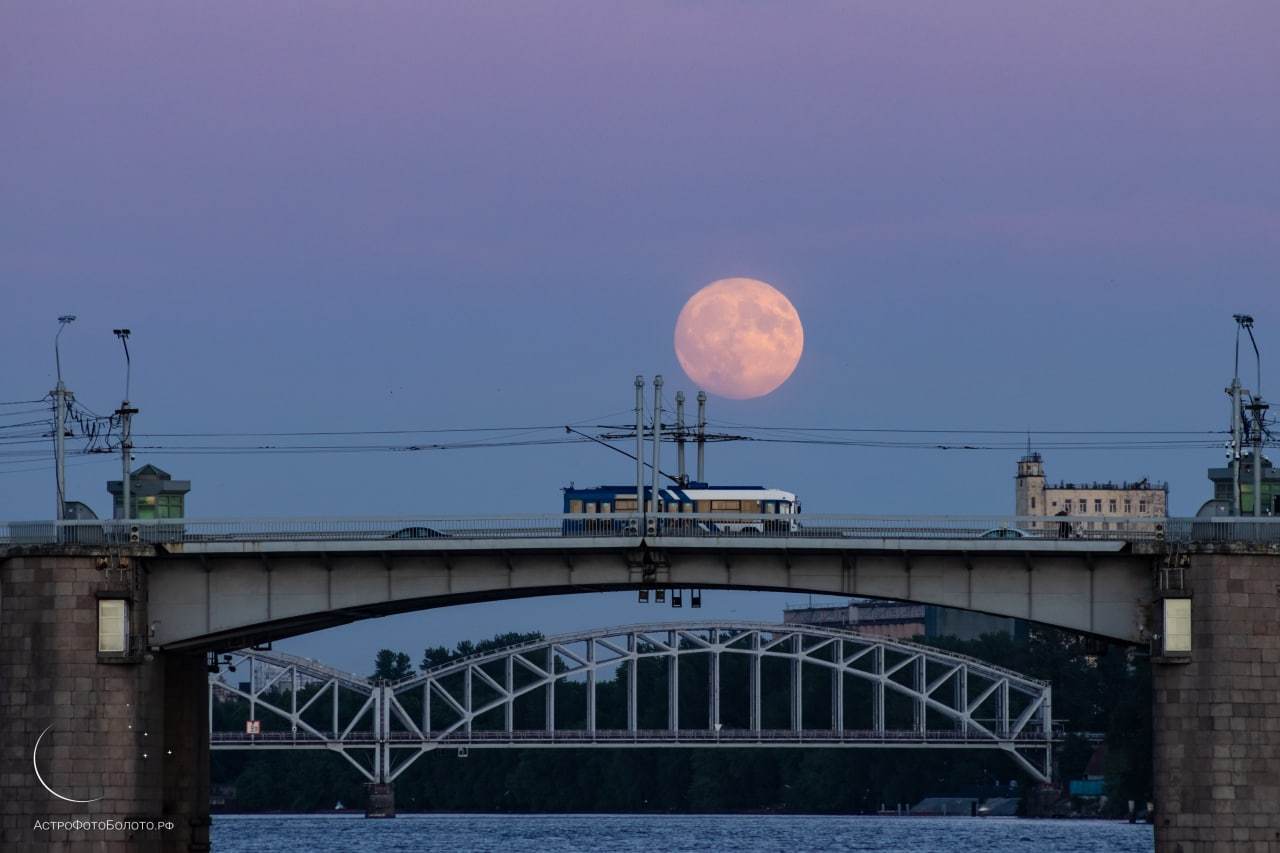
(424, 530)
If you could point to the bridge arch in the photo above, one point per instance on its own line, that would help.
(944, 700)
(228, 594)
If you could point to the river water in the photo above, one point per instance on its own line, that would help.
(662, 833)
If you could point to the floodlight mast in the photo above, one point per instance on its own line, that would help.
(702, 435)
(1258, 408)
(60, 395)
(683, 477)
(656, 505)
(126, 413)
(640, 507)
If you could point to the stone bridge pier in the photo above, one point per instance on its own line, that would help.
(126, 729)
(1217, 708)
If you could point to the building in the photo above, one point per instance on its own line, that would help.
(153, 493)
(1224, 482)
(901, 621)
(1097, 502)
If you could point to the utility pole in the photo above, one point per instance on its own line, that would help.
(60, 396)
(702, 434)
(1236, 392)
(126, 413)
(640, 450)
(684, 479)
(656, 506)
(1259, 410)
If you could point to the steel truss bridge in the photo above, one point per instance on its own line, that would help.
(659, 685)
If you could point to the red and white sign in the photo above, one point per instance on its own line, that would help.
(253, 727)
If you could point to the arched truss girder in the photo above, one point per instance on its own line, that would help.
(955, 701)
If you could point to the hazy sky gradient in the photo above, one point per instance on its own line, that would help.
(344, 216)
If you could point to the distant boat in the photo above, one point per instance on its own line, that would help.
(338, 806)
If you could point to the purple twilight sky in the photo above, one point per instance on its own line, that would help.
(328, 216)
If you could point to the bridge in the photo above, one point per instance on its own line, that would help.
(105, 627)
(878, 692)
(235, 583)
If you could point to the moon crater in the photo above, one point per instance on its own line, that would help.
(739, 338)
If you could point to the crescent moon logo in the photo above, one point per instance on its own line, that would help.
(34, 750)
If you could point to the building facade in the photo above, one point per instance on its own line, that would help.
(898, 620)
(1098, 503)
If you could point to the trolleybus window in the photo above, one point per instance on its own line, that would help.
(575, 506)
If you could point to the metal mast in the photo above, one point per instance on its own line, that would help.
(60, 395)
(1236, 427)
(656, 505)
(640, 448)
(702, 434)
(684, 478)
(1258, 408)
(126, 413)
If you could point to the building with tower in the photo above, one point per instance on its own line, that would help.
(1096, 503)
(153, 493)
(1224, 483)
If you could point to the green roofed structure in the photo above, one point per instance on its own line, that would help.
(153, 493)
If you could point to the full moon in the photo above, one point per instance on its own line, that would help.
(739, 338)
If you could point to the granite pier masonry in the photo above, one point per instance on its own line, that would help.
(128, 731)
(1217, 710)
(102, 648)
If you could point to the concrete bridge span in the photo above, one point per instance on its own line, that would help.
(231, 599)
(225, 593)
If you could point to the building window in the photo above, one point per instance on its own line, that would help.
(1033, 503)
(1111, 505)
(1097, 505)
(1142, 506)
(1128, 506)
(1066, 506)
(113, 626)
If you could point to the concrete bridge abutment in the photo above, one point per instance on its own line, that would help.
(1217, 709)
(126, 729)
